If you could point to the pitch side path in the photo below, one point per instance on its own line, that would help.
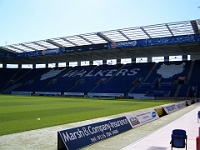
(155, 135)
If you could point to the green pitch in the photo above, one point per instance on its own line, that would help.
(22, 113)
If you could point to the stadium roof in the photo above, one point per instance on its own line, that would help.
(135, 33)
(126, 34)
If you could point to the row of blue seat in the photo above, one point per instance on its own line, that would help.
(155, 79)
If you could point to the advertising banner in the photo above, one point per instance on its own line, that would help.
(79, 137)
(174, 107)
(142, 118)
(155, 41)
(76, 138)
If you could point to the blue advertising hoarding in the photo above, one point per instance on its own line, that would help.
(156, 41)
(174, 107)
(76, 138)
(79, 137)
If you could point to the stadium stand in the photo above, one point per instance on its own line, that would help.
(150, 79)
(141, 80)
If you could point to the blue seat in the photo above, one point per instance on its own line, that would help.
(179, 139)
(198, 116)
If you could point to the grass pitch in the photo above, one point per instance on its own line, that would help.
(22, 113)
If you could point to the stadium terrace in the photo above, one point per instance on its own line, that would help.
(153, 61)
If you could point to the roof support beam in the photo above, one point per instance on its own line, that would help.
(101, 35)
(17, 48)
(124, 35)
(40, 45)
(126, 52)
(195, 26)
(28, 47)
(64, 39)
(54, 43)
(145, 32)
(85, 39)
(169, 29)
(7, 49)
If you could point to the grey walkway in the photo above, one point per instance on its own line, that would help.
(159, 140)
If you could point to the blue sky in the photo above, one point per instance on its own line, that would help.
(34, 20)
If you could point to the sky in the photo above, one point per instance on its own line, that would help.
(23, 21)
